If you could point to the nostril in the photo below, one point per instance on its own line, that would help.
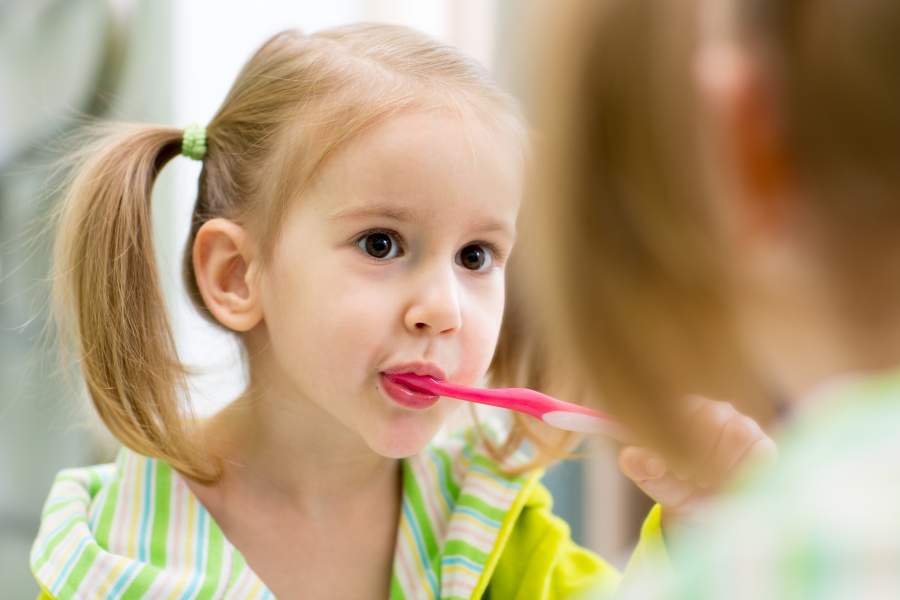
(421, 325)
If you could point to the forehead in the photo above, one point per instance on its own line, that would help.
(426, 163)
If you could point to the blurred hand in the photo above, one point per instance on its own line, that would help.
(725, 441)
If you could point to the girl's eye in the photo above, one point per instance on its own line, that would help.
(475, 257)
(379, 244)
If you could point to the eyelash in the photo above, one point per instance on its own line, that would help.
(496, 254)
(395, 237)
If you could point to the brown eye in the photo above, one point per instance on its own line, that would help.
(475, 257)
(379, 245)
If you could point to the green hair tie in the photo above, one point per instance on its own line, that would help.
(193, 144)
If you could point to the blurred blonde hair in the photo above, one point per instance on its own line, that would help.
(296, 101)
(632, 278)
(635, 275)
(834, 69)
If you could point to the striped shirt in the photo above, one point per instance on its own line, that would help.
(822, 524)
(134, 529)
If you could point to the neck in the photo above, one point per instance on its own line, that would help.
(286, 447)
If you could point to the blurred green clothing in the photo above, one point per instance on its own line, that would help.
(823, 523)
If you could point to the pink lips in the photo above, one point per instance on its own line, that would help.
(409, 396)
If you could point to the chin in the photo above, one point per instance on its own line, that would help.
(403, 437)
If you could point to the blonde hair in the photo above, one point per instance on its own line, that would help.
(297, 100)
(640, 288)
(524, 358)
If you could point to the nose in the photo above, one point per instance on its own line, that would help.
(435, 306)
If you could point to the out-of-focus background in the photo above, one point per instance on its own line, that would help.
(171, 63)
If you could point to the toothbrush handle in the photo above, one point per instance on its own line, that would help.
(524, 400)
(554, 412)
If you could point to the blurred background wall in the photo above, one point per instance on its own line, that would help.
(62, 61)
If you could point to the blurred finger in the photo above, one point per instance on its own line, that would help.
(739, 434)
(641, 464)
(707, 423)
(669, 491)
(763, 453)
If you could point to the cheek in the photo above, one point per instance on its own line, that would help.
(328, 320)
(287, 303)
(354, 321)
(479, 336)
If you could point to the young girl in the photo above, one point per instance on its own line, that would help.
(746, 153)
(356, 207)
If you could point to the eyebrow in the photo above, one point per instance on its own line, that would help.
(391, 212)
(405, 215)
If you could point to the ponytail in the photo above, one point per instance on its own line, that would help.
(107, 298)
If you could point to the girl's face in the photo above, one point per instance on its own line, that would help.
(394, 262)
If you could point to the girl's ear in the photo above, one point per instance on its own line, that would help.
(747, 138)
(226, 266)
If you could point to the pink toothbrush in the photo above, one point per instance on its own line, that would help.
(559, 414)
